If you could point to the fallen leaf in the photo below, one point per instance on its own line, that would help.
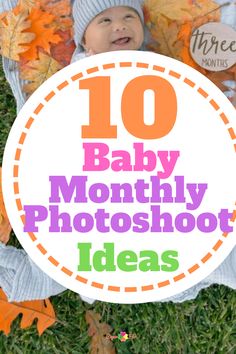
(165, 35)
(185, 56)
(98, 331)
(5, 227)
(206, 11)
(61, 10)
(28, 4)
(62, 52)
(3, 15)
(203, 12)
(171, 24)
(30, 310)
(44, 36)
(38, 71)
(181, 10)
(14, 38)
(232, 70)
(219, 78)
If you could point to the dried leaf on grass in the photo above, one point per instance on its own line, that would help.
(14, 38)
(38, 71)
(98, 331)
(44, 35)
(30, 310)
(5, 227)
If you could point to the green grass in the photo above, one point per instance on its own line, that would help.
(205, 325)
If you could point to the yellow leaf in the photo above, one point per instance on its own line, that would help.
(172, 9)
(181, 10)
(30, 310)
(38, 71)
(14, 38)
(28, 4)
(205, 11)
(3, 15)
(165, 35)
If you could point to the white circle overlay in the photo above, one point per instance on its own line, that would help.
(46, 140)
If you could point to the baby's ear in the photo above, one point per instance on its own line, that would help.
(87, 50)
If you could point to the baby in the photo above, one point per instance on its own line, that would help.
(100, 26)
(104, 25)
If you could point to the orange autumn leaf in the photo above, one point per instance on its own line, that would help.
(98, 332)
(62, 52)
(147, 16)
(232, 71)
(184, 35)
(61, 10)
(44, 35)
(3, 15)
(15, 35)
(30, 310)
(5, 227)
(38, 71)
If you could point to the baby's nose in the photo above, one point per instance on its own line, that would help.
(119, 26)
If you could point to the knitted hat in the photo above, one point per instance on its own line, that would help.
(84, 12)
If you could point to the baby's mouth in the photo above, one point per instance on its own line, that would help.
(121, 41)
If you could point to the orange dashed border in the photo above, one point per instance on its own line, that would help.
(18, 152)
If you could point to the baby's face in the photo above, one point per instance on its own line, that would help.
(117, 28)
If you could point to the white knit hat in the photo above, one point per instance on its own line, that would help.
(84, 12)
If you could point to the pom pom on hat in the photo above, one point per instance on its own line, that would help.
(84, 12)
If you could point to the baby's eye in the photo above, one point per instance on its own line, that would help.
(128, 16)
(105, 20)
